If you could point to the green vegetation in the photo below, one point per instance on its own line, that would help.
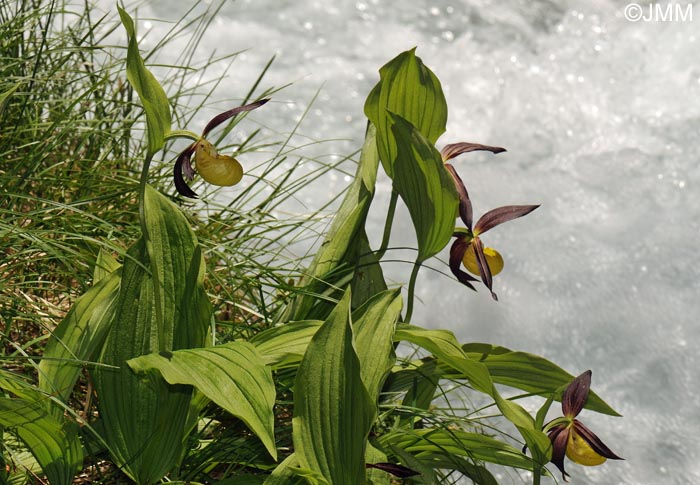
(149, 337)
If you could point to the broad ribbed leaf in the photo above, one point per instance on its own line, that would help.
(160, 307)
(368, 279)
(332, 411)
(426, 443)
(79, 337)
(286, 344)
(374, 324)
(52, 440)
(530, 373)
(232, 375)
(337, 262)
(426, 188)
(284, 473)
(443, 345)
(153, 97)
(105, 265)
(411, 90)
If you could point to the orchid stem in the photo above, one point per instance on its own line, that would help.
(387, 225)
(537, 474)
(411, 291)
(142, 191)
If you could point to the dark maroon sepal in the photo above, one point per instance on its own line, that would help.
(575, 395)
(497, 216)
(395, 469)
(457, 250)
(559, 436)
(220, 118)
(484, 268)
(182, 164)
(465, 205)
(595, 442)
(456, 149)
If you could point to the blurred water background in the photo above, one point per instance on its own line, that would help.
(601, 119)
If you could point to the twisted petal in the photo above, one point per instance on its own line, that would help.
(457, 251)
(581, 432)
(465, 205)
(484, 269)
(220, 118)
(559, 436)
(500, 215)
(455, 149)
(575, 395)
(183, 165)
(397, 470)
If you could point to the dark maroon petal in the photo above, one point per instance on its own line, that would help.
(182, 164)
(559, 436)
(483, 266)
(399, 471)
(459, 247)
(575, 395)
(455, 149)
(500, 215)
(220, 118)
(595, 442)
(186, 157)
(465, 205)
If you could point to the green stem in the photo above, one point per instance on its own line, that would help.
(387, 225)
(537, 475)
(411, 291)
(142, 193)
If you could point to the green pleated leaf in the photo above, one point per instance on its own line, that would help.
(411, 90)
(105, 265)
(285, 473)
(332, 411)
(424, 444)
(232, 375)
(374, 324)
(530, 373)
(286, 344)
(52, 440)
(79, 337)
(443, 345)
(338, 262)
(153, 97)
(368, 279)
(171, 247)
(426, 188)
(160, 307)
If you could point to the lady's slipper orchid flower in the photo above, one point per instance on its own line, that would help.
(569, 436)
(214, 168)
(468, 250)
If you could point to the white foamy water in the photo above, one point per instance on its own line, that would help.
(601, 119)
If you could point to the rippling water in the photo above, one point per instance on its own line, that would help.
(601, 118)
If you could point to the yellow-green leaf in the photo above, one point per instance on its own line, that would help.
(232, 375)
(152, 94)
(332, 411)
